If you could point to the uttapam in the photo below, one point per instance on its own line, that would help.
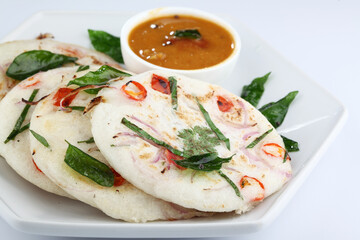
(15, 120)
(10, 50)
(67, 133)
(189, 142)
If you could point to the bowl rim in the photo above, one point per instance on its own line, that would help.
(166, 11)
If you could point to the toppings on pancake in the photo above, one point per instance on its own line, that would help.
(223, 104)
(134, 90)
(252, 188)
(160, 84)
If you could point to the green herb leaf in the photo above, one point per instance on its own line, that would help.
(31, 62)
(106, 43)
(147, 136)
(90, 140)
(25, 127)
(20, 120)
(88, 166)
(258, 139)
(77, 108)
(232, 184)
(83, 68)
(40, 138)
(198, 140)
(254, 91)
(290, 145)
(218, 133)
(285, 156)
(188, 33)
(275, 112)
(99, 77)
(173, 89)
(205, 162)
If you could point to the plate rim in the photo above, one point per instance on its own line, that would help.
(45, 228)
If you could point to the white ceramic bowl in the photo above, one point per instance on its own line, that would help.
(213, 74)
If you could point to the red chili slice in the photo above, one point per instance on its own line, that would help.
(37, 168)
(223, 104)
(119, 180)
(160, 84)
(245, 182)
(170, 157)
(137, 96)
(60, 94)
(30, 83)
(274, 150)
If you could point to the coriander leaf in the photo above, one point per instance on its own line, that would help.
(173, 89)
(88, 166)
(290, 145)
(147, 136)
(98, 77)
(258, 139)
(83, 68)
(188, 33)
(232, 184)
(40, 138)
(198, 140)
(204, 162)
(17, 128)
(254, 91)
(211, 124)
(90, 140)
(275, 112)
(106, 43)
(31, 62)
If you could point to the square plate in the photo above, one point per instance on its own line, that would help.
(314, 119)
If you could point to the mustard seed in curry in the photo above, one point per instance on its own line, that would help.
(181, 42)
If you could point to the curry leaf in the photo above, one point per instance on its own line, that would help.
(254, 91)
(90, 140)
(290, 145)
(188, 33)
(31, 62)
(77, 108)
(88, 166)
(40, 138)
(83, 68)
(204, 162)
(98, 77)
(106, 43)
(17, 128)
(275, 112)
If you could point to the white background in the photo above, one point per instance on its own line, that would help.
(323, 39)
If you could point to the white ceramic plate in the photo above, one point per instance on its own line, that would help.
(314, 119)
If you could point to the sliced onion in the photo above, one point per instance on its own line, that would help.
(144, 123)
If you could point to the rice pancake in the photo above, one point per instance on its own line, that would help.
(146, 101)
(121, 201)
(10, 50)
(17, 152)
